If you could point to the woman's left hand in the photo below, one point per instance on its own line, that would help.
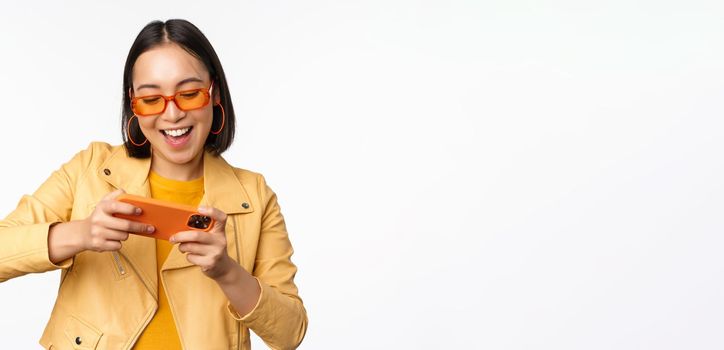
(207, 249)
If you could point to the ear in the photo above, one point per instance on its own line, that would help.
(217, 95)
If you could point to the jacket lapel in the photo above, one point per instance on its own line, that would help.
(222, 190)
(131, 175)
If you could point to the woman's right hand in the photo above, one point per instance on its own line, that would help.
(100, 231)
(105, 232)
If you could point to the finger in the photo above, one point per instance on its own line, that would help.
(201, 261)
(111, 207)
(102, 243)
(115, 235)
(193, 248)
(191, 236)
(121, 224)
(195, 259)
(111, 246)
(216, 214)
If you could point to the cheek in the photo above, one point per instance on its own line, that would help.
(146, 126)
(208, 115)
(204, 120)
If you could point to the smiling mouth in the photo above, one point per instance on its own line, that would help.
(177, 132)
(177, 137)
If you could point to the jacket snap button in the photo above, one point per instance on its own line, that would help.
(77, 340)
(106, 171)
(245, 205)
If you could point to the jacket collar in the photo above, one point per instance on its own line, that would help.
(222, 189)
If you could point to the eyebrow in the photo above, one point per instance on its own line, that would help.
(187, 80)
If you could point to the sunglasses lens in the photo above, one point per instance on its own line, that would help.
(188, 100)
(149, 105)
(156, 104)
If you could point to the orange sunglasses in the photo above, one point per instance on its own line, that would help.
(185, 100)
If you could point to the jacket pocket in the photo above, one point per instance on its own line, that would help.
(81, 335)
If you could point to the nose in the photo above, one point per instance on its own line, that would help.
(172, 114)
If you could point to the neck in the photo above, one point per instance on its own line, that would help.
(194, 169)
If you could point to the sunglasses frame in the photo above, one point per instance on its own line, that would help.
(166, 99)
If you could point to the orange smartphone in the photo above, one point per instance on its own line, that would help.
(168, 218)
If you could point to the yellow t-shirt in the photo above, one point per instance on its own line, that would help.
(161, 332)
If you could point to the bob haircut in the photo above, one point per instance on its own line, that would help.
(190, 38)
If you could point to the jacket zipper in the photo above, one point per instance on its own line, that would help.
(119, 265)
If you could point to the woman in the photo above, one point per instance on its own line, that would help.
(199, 290)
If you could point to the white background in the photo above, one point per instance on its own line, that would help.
(454, 174)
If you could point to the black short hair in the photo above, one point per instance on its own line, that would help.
(191, 39)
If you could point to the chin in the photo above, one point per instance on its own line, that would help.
(179, 156)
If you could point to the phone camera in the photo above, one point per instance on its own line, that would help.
(199, 221)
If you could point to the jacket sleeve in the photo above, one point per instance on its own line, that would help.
(24, 232)
(279, 317)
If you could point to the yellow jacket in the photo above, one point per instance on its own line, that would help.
(106, 299)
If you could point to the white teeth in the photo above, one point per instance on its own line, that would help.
(177, 132)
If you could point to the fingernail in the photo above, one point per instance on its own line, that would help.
(150, 229)
(138, 211)
(171, 239)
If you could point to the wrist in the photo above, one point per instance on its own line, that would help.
(80, 238)
(64, 241)
(229, 272)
